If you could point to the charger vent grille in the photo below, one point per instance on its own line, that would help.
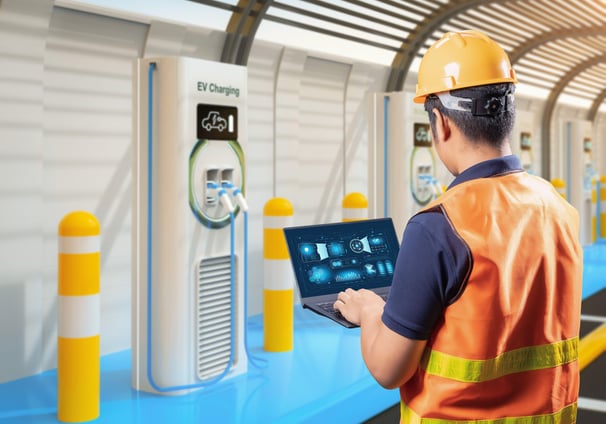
(213, 311)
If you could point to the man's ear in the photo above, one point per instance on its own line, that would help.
(443, 130)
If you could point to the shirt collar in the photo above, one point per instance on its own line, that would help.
(489, 168)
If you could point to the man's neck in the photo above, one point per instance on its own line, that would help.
(474, 154)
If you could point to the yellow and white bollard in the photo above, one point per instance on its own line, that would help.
(78, 343)
(602, 200)
(594, 210)
(560, 186)
(278, 290)
(355, 207)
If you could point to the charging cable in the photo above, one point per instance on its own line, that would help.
(433, 183)
(236, 193)
(257, 362)
(385, 156)
(241, 201)
(437, 189)
(224, 198)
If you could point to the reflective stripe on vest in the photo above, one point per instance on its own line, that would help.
(518, 360)
(566, 415)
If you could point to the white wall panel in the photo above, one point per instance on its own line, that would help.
(262, 74)
(164, 39)
(322, 143)
(203, 43)
(87, 130)
(363, 79)
(286, 127)
(23, 28)
(600, 141)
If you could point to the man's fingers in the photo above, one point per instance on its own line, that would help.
(343, 297)
(337, 304)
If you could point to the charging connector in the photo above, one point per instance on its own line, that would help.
(224, 199)
(437, 188)
(227, 184)
(237, 194)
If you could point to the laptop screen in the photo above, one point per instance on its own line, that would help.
(328, 258)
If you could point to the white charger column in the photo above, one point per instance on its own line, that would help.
(574, 134)
(189, 138)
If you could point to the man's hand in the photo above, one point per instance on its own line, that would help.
(392, 359)
(357, 305)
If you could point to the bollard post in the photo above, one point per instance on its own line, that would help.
(560, 186)
(355, 207)
(602, 206)
(595, 185)
(78, 341)
(278, 289)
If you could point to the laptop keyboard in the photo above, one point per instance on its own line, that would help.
(328, 306)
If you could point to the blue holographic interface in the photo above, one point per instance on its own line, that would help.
(328, 258)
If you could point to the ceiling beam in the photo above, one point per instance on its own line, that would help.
(550, 106)
(593, 110)
(516, 54)
(416, 39)
(241, 30)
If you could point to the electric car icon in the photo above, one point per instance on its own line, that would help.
(214, 120)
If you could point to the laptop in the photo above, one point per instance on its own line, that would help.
(328, 258)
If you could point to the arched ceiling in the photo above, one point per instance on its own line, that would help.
(555, 45)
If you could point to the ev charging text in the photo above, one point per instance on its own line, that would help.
(216, 88)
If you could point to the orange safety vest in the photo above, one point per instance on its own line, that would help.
(505, 351)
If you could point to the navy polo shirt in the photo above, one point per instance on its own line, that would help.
(432, 263)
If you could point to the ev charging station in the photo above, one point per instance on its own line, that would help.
(526, 151)
(190, 130)
(526, 146)
(580, 173)
(403, 168)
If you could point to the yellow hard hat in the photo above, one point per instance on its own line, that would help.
(462, 59)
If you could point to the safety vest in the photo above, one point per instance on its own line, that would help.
(505, 351)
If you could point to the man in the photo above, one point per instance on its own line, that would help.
(482, 321)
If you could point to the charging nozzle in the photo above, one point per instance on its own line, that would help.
(237, 194)
(224, 199)
(437, 188)
(227, 184)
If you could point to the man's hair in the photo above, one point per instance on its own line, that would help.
(491, 129)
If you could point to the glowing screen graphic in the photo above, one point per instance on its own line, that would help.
(327, 258)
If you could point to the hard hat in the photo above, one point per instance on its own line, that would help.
(459, 60)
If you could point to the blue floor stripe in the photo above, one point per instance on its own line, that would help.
(33, 399)
(594, 268)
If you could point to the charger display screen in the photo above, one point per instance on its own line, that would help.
(216, 122)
